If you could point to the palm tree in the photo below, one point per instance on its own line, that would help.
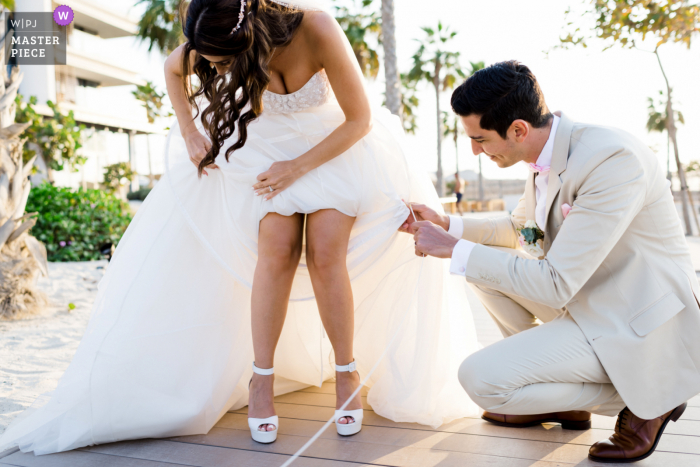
(436, 63)
(360, 25)
(391, 68)
(450, 127)
(409, 104)
(22, 257)
(625, 22)
(658, 122)
(451, 124)
(161, 25)
(152, 100)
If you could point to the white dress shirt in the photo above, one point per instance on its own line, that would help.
(463, 248)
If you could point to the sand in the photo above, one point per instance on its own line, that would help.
(34, 352)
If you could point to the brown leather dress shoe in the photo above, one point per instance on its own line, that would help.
(634, 438)
(572, 420)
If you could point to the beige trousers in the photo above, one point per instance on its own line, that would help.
(538, 368)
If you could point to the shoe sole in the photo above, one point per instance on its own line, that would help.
(349, 434)
(565, 425)
(675, 415)
(264, 437)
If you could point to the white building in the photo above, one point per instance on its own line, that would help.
(104, 63)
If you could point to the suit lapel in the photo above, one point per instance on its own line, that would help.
(560, 155)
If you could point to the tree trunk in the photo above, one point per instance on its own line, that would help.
(671, 129)
(481, 182)
(668, 158)
(436, 83)
(685, 192)
(151, 177)
(456, 152)
(22, 257)
(391, 69)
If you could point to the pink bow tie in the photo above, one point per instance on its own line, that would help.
(538, 168)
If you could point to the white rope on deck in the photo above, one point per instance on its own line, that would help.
(362, 383)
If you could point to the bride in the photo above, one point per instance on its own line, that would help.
(271, 238)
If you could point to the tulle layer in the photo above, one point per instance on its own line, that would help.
(168, 348)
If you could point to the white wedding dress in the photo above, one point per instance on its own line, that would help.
(168, 347)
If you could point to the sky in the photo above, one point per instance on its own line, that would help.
(607, 88)
(590, 85)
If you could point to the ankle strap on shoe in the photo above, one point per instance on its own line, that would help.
(263, 371)
(349, 367)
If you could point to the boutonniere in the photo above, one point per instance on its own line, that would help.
(531, 237)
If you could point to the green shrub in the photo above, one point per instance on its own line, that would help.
(73, 224)
(139, 194)
(117, 175)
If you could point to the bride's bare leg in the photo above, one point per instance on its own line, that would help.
(279, 250)
(327, 236)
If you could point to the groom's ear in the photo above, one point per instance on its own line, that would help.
(519, 130)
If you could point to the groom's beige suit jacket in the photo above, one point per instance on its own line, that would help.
(619, 263)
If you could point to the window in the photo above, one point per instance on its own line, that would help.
(86, 30)
(86, 83)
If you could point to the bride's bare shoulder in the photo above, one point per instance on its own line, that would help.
(320, 25)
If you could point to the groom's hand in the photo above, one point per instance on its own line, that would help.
(432, 240)
(424, 213)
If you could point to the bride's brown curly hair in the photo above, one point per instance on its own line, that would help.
(207, 25)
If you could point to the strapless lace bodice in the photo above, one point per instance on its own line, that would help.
(314, 93)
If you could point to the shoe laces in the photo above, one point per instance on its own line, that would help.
(622, 417)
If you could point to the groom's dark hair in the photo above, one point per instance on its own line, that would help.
(500, 94)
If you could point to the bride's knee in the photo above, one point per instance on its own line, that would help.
(281, 255)
(324, 259)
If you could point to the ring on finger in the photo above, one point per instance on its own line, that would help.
(270, 187)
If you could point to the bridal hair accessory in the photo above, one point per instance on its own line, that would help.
(531, 237)
(311, 5)
(364, 380)
(241, 16)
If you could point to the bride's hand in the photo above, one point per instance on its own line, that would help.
(424, 213)
(279, 176)
(198, 146)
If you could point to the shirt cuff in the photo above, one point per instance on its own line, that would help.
(460, 257)
(456, 226)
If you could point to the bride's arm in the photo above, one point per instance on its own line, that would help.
(336, 56)
(197, 144)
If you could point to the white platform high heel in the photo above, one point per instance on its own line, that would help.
(264, 437)
(348, 429)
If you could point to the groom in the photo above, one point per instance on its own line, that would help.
(611, 278)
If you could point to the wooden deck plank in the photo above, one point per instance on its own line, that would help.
(329, 388)
(348, 451)
(326, 399)
(549, 433)
(382, 442)
(209, 455)
(409, 448)
(82, 459)
(319, 399)
(320, 413)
